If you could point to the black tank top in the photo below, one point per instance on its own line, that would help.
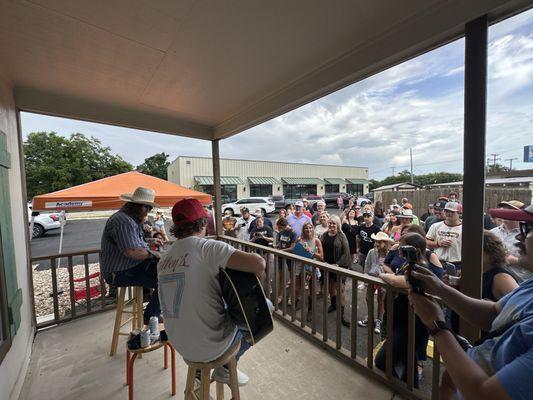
(488, 279)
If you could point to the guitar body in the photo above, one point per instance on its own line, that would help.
(246, 303)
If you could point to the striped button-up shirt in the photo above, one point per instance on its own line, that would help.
(121, 233)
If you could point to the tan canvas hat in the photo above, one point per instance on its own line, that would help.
(141, 195)
(381, 236)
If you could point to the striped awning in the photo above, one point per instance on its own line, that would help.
(335, 181)
(358, 181)
(224, 180)
(263, 180)
(302, 181)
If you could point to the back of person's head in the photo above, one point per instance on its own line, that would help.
(416, 240)
(282, 222)
(412, 228)
(189, 218)
(494, 247)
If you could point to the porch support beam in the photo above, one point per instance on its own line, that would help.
(474, 162)
(217, 203)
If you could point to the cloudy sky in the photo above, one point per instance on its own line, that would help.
(417, 104)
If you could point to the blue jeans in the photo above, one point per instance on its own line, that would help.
(240, 336)
(143, 274)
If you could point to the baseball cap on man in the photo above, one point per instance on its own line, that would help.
(299, 203)
(440, 204)
(514, 204)
(524, 214)
(187, 210)
(452, 206)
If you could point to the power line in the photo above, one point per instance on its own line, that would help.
(495, 159)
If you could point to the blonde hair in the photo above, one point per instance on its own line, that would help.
(337, 221)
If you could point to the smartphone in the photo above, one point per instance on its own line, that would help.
(450, 269)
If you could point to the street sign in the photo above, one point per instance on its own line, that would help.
(528, 153)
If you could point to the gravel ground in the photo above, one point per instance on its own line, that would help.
(42, 286)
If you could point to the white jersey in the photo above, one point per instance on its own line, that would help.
(196, 321)
(441, 231)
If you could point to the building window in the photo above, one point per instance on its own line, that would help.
(331, 188)
(260, 190)
(298, 191)
(355, 188)
(229, 192)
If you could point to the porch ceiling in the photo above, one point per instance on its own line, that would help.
(211, 69)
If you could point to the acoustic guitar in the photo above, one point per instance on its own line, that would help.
(246, 303)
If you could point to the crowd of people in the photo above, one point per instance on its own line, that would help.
(373, 239)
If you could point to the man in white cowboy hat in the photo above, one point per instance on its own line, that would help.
(445, 237)
(125, 257)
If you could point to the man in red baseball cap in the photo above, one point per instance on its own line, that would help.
(500, 366)
(191, 300)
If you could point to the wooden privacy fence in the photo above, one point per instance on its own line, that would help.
(421, 198)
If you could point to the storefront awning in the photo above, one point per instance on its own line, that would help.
(224, 180)
(263, 180)
(335, 181)
(302, 181)
(358, 181)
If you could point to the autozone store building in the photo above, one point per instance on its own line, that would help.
(248, 178)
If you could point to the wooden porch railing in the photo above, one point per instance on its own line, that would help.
(354, 345)
(75, 308)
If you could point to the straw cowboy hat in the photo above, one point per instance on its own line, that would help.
(141, 195)
(381, 236)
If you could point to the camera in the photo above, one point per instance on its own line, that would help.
(409, 254)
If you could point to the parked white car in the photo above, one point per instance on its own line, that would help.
(252, 203)
(43, 223)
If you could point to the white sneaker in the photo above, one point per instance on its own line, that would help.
(377, 327)
(221, 374)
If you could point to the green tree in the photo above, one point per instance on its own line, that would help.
(155, 165)
(55, 162)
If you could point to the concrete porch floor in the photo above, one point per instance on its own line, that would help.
(71, 361)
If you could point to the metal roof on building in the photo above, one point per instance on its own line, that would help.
(335, 181)
(358, 181)
(302, 181)
(224, 180)
(263, 180)
(405, 185)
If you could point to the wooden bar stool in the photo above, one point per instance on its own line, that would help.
(135, 299)
(228, 358)
(131, 355)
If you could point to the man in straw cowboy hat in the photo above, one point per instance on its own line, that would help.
(125, 257)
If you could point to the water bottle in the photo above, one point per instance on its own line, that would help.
(154, 325)
(145, 338)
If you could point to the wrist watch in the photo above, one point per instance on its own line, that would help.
(437, 326)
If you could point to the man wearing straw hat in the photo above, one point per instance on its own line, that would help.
(125, 257)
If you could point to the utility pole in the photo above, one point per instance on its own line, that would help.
(511, 162)
(495, 158)
(411, 155)
(392, 168)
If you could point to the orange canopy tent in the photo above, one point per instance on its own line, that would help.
(104, 194)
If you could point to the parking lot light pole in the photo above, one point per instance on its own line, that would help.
(217, 201)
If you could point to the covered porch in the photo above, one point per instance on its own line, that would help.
(71, 361)
(209, 72)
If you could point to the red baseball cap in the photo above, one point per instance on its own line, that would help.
(187, 210)
(524, 214)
